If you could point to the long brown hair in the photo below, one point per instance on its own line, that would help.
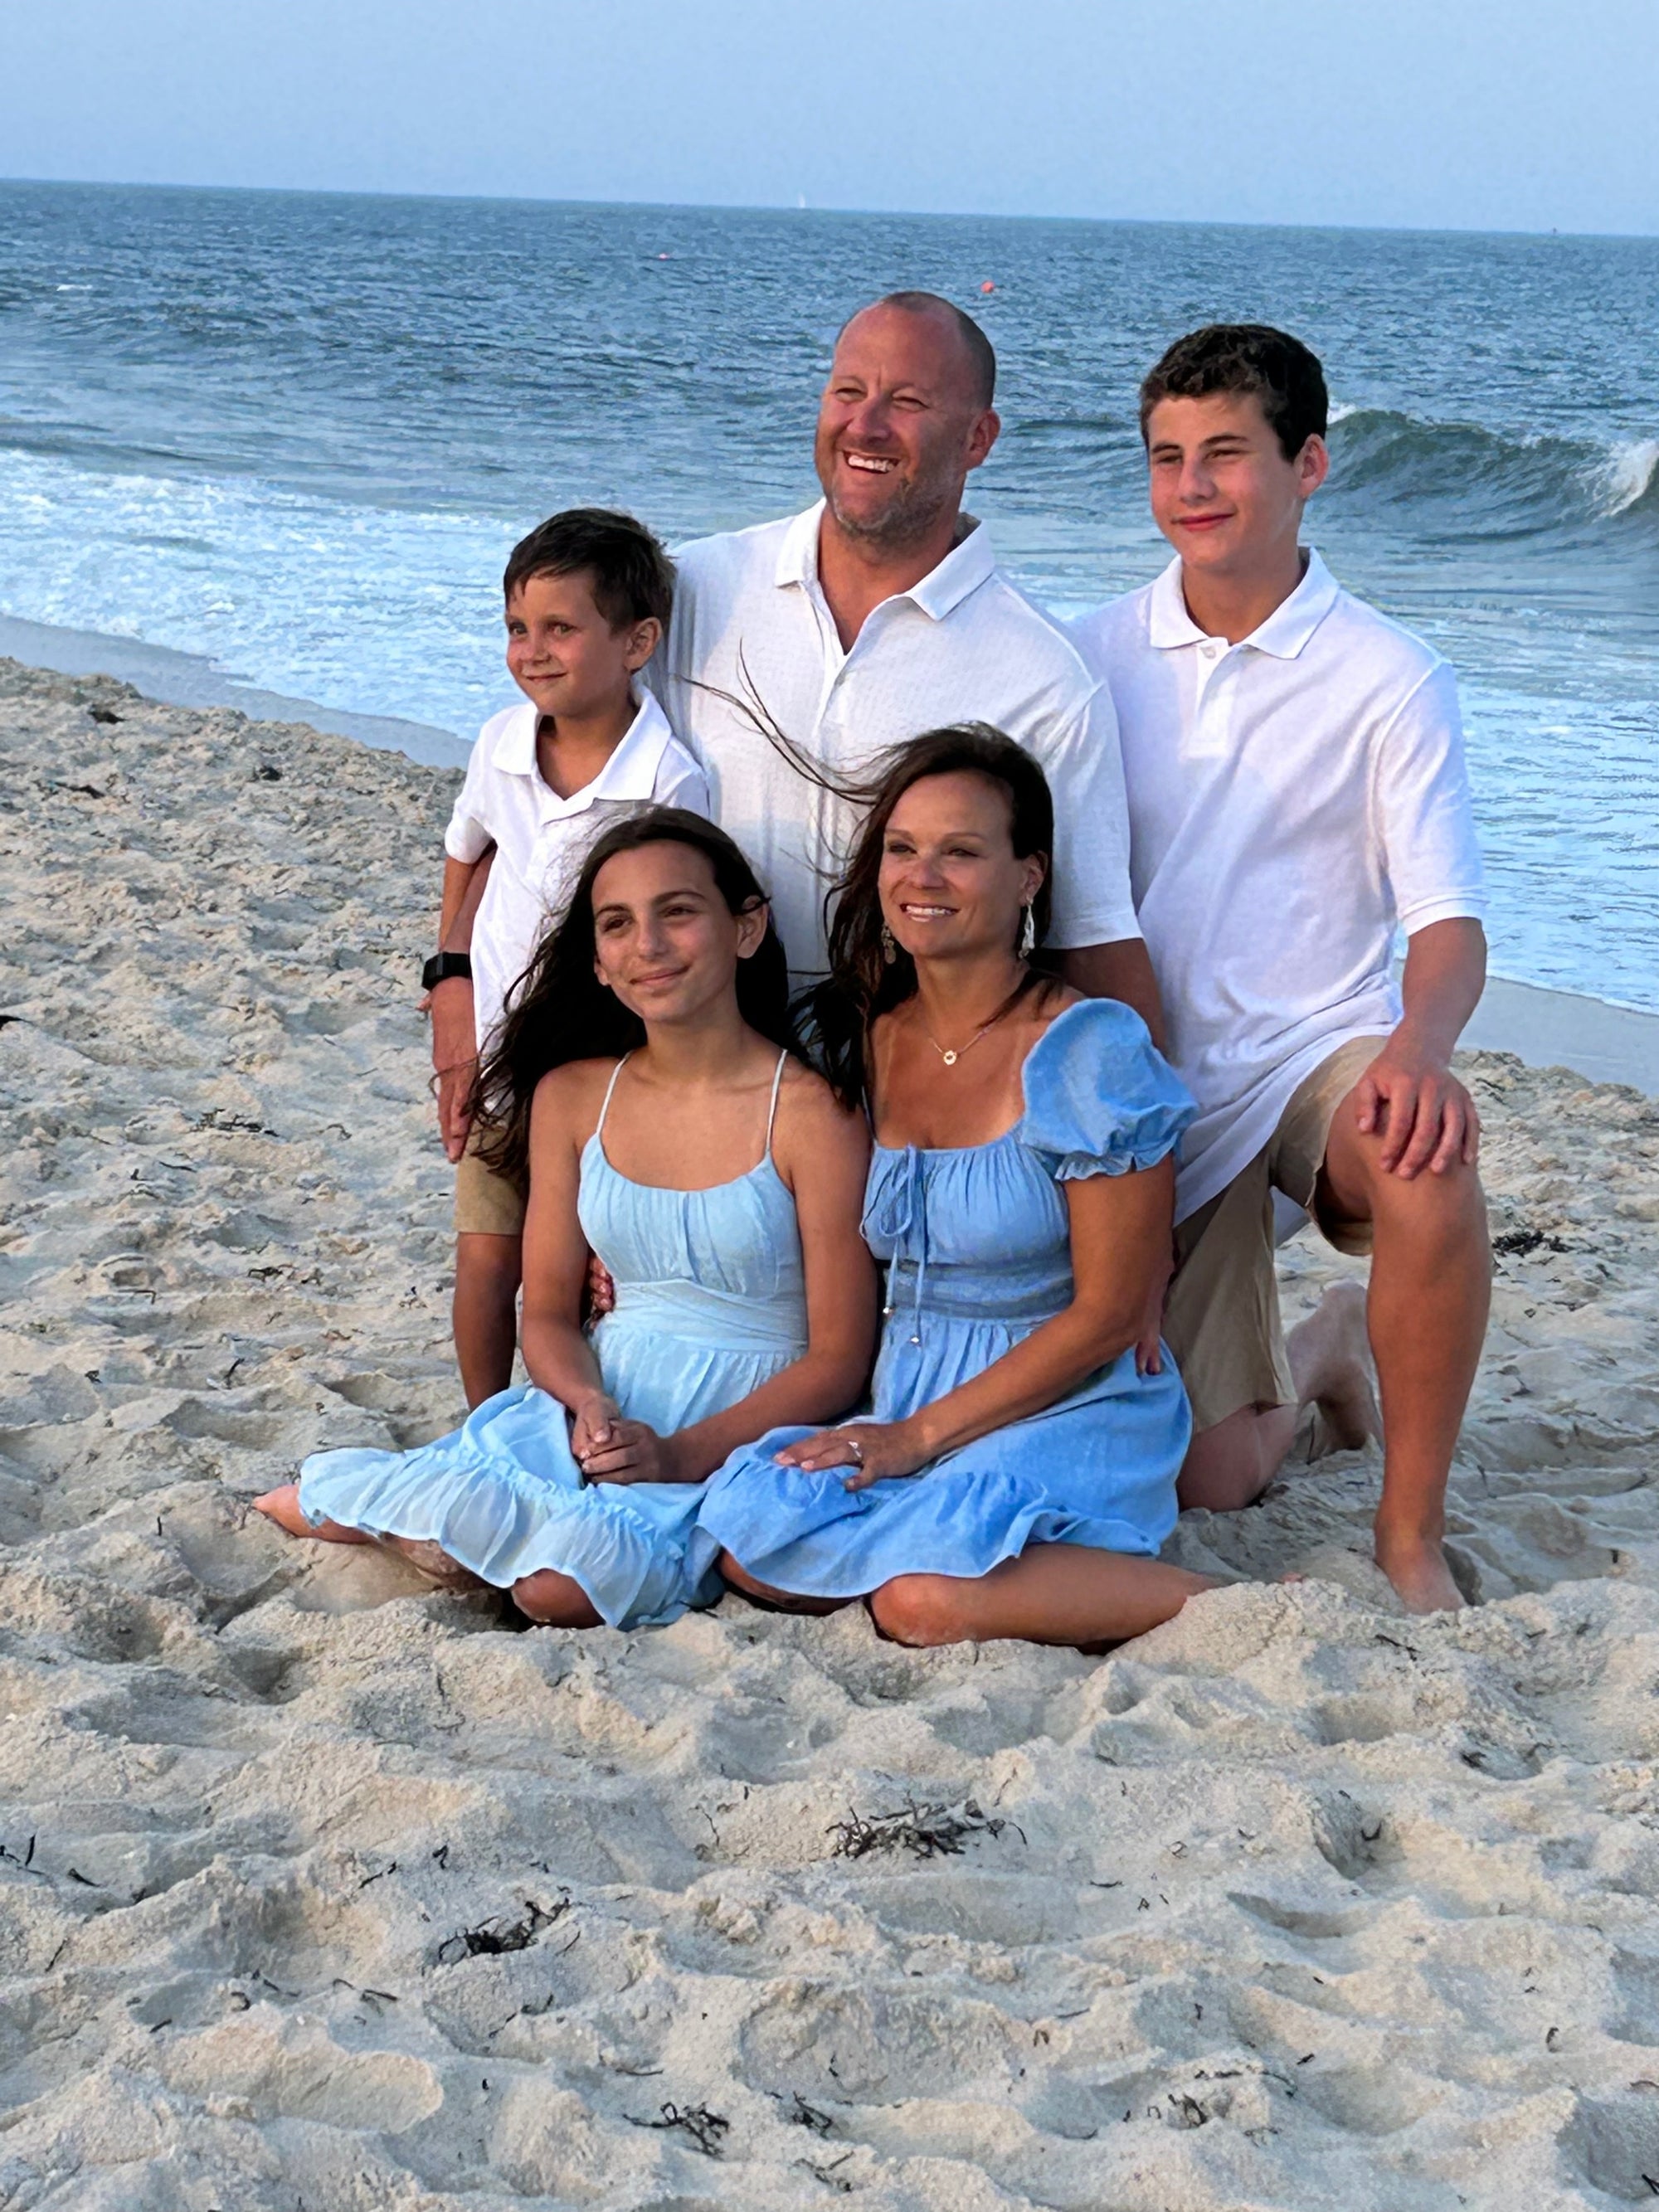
(864, 982)
(559, 1010)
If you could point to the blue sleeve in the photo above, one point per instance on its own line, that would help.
(1100, 1098)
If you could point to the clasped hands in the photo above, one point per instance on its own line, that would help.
(609, 1448)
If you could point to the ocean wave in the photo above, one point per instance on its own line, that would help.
(1491, 483)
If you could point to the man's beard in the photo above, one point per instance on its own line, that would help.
(911, 514)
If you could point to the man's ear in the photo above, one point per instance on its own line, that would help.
(1313, 465)
(988, 426)
(643, 641)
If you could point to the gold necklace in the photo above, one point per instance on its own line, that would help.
(951, 1057)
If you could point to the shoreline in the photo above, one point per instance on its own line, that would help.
(1544, 1027)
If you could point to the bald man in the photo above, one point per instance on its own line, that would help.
(879, 613)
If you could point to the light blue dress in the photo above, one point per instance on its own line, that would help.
(711, 1302)
(977, 1245)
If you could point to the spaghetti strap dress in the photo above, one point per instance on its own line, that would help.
(710, 1303)
(978, 1247)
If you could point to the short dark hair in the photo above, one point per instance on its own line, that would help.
(981, 354)
(1246, 357)
(632, 577)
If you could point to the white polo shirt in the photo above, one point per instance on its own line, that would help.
(541, 840)
(1292, 798)
(750, 619)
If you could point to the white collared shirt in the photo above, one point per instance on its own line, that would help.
(750, 619)
(1292, 798)
(541, 840)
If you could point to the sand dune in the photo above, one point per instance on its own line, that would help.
(318, 1889)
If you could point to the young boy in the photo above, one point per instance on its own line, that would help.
(588, 597)
(1297, 789)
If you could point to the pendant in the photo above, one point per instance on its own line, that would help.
(950, 1058)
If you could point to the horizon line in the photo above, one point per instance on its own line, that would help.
(786, 208)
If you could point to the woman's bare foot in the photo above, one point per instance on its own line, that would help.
(1331, 1364)
(1416, 1565)
(281, 1505)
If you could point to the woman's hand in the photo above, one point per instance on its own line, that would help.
(628, 1451)
(1149, 1345)
(873, 1450)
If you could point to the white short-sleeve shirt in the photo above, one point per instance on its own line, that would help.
(1292, 798)
(541, 840)
(751, 622)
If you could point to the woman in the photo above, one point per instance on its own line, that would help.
(646, 1085)
(1017, 1475)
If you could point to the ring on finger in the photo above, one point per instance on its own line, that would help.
(855, 1451)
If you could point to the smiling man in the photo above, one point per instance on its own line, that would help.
(801, 649)
(1297, 793)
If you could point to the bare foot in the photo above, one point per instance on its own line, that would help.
(281, 1505)
(1417, 1567)
(1331, 1362)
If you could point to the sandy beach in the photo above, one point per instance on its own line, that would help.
(320, 1890)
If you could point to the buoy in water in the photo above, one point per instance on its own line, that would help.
(988, 286)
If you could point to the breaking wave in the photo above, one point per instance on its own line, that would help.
(1498, 486)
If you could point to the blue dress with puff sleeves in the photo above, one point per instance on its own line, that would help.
(976, 1242)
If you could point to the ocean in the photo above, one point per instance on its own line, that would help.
(294, 436)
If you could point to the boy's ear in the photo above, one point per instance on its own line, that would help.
(643, 640)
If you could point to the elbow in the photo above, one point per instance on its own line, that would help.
(841, 1372)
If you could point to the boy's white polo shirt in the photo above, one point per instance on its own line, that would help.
(751, 623)
(541, 840)
(1292, 798)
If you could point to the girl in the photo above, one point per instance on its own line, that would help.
(1017, 1475)
(645, 1082)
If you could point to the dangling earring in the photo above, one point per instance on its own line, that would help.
(1027, 936)
(889, 945)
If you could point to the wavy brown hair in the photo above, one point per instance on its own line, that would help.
(863, 981)
(558, 1010)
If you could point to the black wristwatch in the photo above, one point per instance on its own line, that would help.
(443, 965)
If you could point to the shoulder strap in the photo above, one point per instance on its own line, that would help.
(772, 1111)
(599, 1127)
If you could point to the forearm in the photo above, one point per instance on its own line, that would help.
(1445, 974)
(558, 1357)
(1121, 970)
(464, 890)
(819, 1387)
(1034, 1374)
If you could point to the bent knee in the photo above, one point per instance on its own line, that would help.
(554, 1600)
(921, 1609)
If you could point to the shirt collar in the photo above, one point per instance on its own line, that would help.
(630, 772)
(1283, 634)
(969, 564)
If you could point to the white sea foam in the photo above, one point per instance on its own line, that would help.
(1628, 474)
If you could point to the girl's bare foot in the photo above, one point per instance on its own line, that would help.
(281, 1505)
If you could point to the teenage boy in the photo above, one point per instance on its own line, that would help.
(1296, 783)
(589, 596)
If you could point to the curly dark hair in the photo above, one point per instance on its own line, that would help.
(558, 1010)
(1246, 358)
(863, 981)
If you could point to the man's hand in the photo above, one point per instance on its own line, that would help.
(454, 1057)
(1149, 1345)
(873, 1450)
(1424, 1115)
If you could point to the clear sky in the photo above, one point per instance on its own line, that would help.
(1486, 114)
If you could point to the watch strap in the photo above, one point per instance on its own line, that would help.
(443, 965)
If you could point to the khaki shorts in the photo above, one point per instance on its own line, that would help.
(486, 1203)
(1221, 1321)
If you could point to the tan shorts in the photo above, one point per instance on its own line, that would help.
(486, 1203)
(1221, 1321)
